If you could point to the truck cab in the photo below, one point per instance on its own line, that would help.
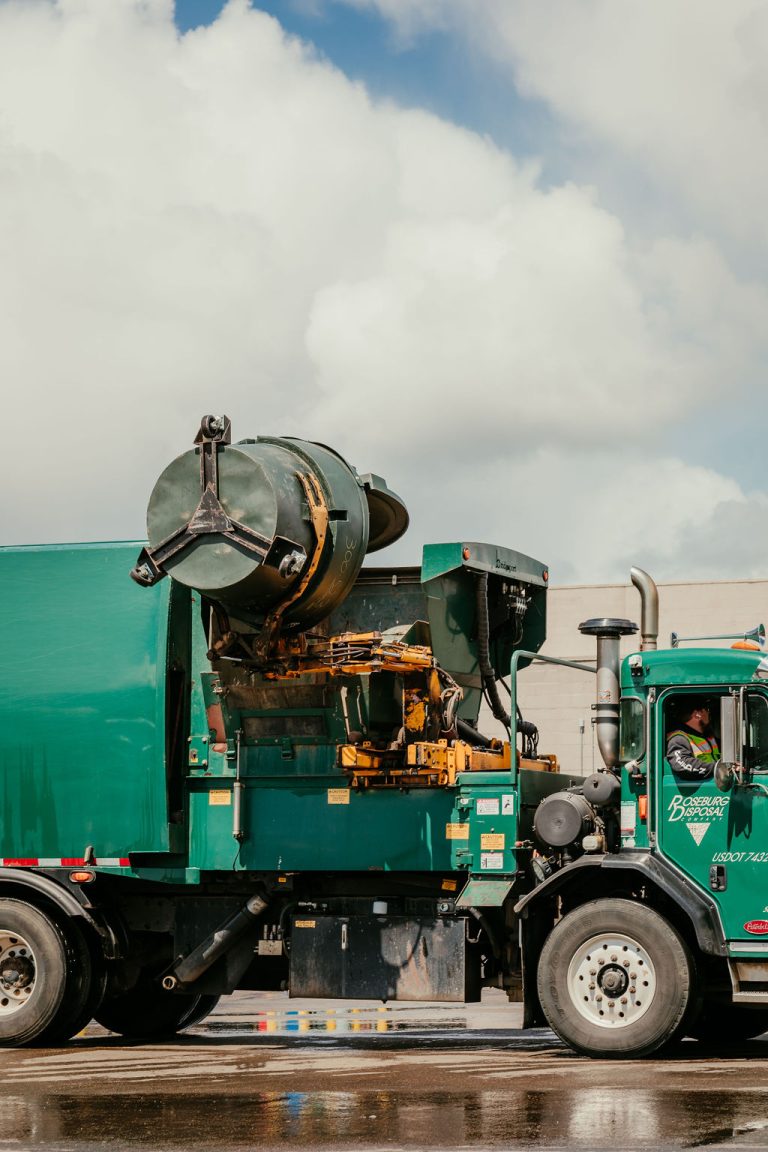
(661, 928)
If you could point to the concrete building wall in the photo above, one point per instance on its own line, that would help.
(559, 700)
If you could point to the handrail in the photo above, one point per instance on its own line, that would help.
(534, 657)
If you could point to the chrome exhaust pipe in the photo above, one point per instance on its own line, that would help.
(649, 600)
(608, 632)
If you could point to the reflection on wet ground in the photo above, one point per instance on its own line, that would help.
(379, 1018)
(595, 1118)
(266, 1072)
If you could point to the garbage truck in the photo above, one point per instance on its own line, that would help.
(234, 757)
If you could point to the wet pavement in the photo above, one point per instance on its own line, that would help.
(267, 1072)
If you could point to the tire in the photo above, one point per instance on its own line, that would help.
(77, 991)
(85, 989)
(198, 1012)
(616, 980)
(35, 965)
(149, 1012)
(729, 1023)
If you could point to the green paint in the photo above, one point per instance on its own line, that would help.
(82, 684)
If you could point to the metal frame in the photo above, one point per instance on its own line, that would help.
(534, 657)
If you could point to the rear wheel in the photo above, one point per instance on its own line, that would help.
(149, 1011)
(198, 1012)
(86, 983)
(34, 970)
(615, 979)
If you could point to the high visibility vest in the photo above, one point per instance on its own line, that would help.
(704, 748)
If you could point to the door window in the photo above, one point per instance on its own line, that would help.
(756, 752)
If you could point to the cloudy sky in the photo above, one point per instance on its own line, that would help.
(510, 254)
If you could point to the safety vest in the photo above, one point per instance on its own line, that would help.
(704, 748)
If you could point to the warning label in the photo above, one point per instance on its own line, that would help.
(457, 831)
(488, 806)
(220, 796)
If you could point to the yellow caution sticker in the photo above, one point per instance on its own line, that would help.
(492, 840)
(305, 923)
(220, 796)
(338, 795)
(457, 831)
(448, 885)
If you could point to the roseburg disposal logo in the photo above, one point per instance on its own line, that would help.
(756, 927)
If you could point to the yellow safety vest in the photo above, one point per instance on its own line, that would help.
(705, 748)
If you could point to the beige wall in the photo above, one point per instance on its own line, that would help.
(559, 699)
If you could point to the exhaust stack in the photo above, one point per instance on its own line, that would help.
(649, 600)
(608, 632)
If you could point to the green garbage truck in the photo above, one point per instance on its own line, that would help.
(236, 757)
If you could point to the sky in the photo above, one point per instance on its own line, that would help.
(509, 254)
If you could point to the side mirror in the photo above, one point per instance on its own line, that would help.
(724, 776)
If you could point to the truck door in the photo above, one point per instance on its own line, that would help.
(720, 839)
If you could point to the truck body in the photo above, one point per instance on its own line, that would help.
(259, 764)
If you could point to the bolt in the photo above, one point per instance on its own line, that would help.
(626, 963)
(593, 971)
(592, 987)
(598, 998)
(623, 999)
(614, 959)
(632, 991)
(633, 975)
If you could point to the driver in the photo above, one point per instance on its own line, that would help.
(692, 747)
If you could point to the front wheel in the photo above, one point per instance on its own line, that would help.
(615, 979)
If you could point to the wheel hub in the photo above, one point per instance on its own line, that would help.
(17, 972)
(611, 980)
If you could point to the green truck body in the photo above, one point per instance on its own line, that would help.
(267, 771)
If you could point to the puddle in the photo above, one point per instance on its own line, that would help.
(593, 1118)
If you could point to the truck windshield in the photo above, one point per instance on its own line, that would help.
(757, 733)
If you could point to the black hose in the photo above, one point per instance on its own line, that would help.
(483, 922)
(471, 735)
(484, 652)
(528, 731)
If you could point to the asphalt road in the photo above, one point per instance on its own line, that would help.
(267, 1072)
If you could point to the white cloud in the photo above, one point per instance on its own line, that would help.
(223, 222)
(677, 91)
(591, 516)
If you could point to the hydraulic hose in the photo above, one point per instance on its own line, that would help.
(484, 652)
(471, 735)
(528, 731)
